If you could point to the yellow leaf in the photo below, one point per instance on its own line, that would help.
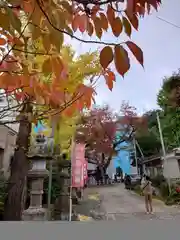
(57, 39)
(46, 42)
(67, 6)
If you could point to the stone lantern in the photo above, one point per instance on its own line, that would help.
(36, 176)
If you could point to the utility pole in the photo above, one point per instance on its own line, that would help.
(163, 149)
(135, 153)
(142, 155)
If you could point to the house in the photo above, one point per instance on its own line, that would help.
(168, 167)
(7, 145)
(153, 165)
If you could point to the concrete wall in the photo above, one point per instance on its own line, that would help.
(7, 143)
(171, 167)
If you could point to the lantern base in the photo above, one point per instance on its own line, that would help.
(35, 214)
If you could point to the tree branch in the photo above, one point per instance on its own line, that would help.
(71, 35)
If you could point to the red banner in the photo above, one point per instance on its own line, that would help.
(85, 170)
(77, 161)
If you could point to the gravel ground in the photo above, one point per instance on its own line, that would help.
(116, 203)
(91, 205)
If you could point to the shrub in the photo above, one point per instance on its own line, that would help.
(174, 198)
(164, 190)
(137, 189)
(158, 180)
(56, 189)
(3, 184)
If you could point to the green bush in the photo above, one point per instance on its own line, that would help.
(158, 180)
(3, 185)
(164, 190)
(55, 189)
(137, 189)
(173, 198)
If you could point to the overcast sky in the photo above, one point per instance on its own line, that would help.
(160, 43)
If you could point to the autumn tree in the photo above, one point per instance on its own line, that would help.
(99, 129)
(63, 131)
(33, 69)
(48, 97)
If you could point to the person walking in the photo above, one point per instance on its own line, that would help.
(147, 190)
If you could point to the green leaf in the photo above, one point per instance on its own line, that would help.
(14, 20)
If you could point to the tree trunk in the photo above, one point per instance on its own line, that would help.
(108, 161)
(19, 169)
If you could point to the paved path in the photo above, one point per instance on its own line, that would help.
(118, 203)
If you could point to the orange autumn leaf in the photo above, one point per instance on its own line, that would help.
(97, 25)
(110, 13)
(117, 27)
(111, 75)
(137, 52)
(121, 60)
(69, 111)
(130, 7)
(90, 28)
(133, 20)
(104, 21)
(18, 41)
(127, 26)
(110, 78)
(2, 41)
(27, 6)
(82, 21)
(95, 10)
(106, 56)
(75, 23)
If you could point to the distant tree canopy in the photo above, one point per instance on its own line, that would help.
(168, 100)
